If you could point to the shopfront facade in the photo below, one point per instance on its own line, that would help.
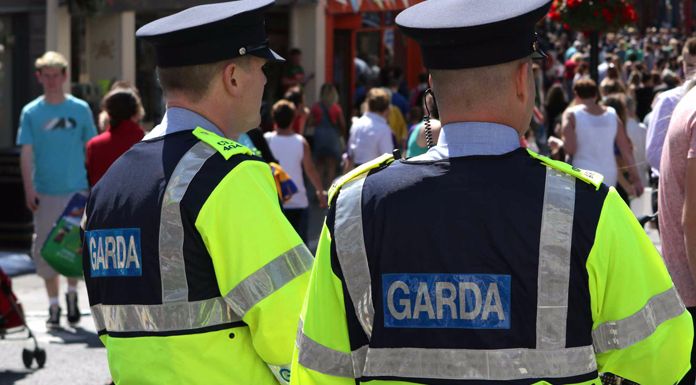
(364, 33)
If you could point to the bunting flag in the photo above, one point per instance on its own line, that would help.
(356, 5)
(379, 3)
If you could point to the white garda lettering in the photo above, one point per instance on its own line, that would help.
(100, 253)
(404, 302)
(132, 254)
(121, 251)
(473, 313)
(111, 252)
(492, 303)
(423, 302)
(442, 300)
(93, 253)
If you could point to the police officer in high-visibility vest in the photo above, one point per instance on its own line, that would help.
(193, 273)
(480, 262)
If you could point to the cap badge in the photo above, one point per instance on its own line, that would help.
(242, 51)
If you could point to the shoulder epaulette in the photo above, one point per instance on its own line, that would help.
(589, 177)
(364, 168)
(224, 146)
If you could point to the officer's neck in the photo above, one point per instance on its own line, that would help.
(205, 110)
(506, 121)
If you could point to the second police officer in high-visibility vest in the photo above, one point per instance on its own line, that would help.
(193, 273)
(481, 262)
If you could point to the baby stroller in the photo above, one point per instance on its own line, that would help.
(12, 321)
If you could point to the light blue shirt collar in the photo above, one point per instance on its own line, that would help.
(178, 119)
(472, 138)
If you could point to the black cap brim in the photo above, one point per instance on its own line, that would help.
(269, 54)
(539, 55)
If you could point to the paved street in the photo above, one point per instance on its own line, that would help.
(76, 356)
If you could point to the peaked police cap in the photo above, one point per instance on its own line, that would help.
(210, 33)
(456, 34)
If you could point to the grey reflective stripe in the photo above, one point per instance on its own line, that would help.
(350, 248)
(448, 364)
(464, 364)
(639, 326)
(269, 278)
(554, 260)
(315, 356)
(179, 316)
(171, 231)
(98, 317)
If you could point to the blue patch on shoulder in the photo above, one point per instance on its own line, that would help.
(114, 252)
(461, 301)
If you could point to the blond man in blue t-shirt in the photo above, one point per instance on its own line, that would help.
(53, 131)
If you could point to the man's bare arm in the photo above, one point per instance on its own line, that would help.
(26, 159)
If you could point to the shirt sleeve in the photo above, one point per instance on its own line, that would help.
(641, 330)
(262, 266)
(336, 112)
(25, 134)
(89, 129)
(657, 130)
(385, 144)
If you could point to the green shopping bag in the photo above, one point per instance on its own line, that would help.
(63, 247)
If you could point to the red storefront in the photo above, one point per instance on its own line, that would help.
(365, 29)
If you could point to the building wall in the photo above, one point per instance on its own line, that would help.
(23, 40)
(58, 28)
(308, 33)
(110, 48)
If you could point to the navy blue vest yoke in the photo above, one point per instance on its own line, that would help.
(130, 196)
(475, 215)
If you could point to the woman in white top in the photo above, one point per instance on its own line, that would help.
(294, 155)
(590, 132)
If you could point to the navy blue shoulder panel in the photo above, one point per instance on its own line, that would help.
(199, 265)
(129, 196)
(477, 216)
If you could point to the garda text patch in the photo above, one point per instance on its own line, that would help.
(463, 301)
(114, 253)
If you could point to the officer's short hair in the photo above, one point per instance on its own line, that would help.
(51, 59)
(585, 88)
(378, 100)
(283, 113)
(193, 81)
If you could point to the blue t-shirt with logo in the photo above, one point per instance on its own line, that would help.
(58, 134)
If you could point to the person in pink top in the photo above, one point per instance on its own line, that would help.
(677, 204)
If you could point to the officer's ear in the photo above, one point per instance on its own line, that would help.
(523, 75)
(230, 77)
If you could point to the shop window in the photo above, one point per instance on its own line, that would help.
(371, 20)
(390, 17)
